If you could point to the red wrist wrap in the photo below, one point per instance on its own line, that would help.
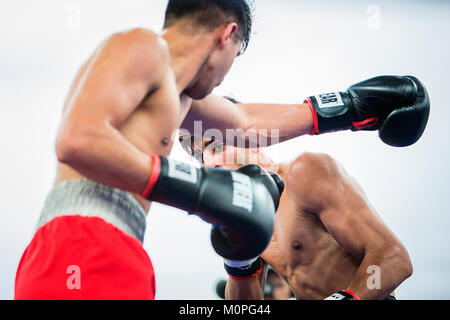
(248, 277)
(156, 168)
(352, 294)
(315, 129)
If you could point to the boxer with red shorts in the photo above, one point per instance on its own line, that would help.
(88, 245)
(119, 123)
(124, 107)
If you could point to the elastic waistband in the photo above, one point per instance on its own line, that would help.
(85, 197)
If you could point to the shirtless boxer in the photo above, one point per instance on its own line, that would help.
(119, 121)
(326, 236)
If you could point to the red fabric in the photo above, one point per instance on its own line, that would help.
(112, 265)
(248, 277)
(315, 129)
(156, 168)
(352, 294)
(364, 124)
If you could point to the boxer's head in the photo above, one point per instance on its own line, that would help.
(227, 22)
(213, 153)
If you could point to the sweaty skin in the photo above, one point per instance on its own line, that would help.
(132, 95)
(126, 129)
(302, 250)
(326, 233)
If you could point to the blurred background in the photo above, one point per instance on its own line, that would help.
(299, 48)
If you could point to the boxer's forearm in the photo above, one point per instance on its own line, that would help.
(106, 156)
(276, 122)
(380, 273)
(245, 289)
(242, 124)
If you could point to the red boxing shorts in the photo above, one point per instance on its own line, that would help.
(96, 253)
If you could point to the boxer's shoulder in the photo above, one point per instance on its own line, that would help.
(139, 54)
(312, 165)
(143, 46)
(311, 175)
(143, 37)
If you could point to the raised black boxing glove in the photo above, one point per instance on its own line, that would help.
(240, 207)
(397, 106)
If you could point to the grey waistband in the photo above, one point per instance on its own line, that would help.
(88, 198)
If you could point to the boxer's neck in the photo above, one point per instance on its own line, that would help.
(188, 52)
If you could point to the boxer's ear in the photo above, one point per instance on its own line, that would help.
(227, 34)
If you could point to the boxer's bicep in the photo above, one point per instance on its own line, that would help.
(362, 233)
(320, 186)
(353, 223)
(214, 112)
(272, 123)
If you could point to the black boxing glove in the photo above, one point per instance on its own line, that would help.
(397, 106)
(343, 295)
(275, 186)
(224, 240)
(239, 206)
(245, 269)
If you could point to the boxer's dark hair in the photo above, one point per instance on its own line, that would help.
(213, 13)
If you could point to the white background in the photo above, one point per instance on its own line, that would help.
(299, 48)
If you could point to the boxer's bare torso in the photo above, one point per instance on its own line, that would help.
(304, 253)
(152, 125)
